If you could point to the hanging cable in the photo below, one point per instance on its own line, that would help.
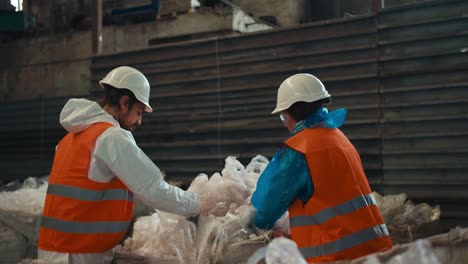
(219, 99)
(42, 117)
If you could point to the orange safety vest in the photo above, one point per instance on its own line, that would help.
(81, 215)
(341, 220)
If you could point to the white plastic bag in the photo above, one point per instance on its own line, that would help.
(279, 251)
(420, 252)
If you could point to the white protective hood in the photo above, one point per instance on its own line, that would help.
(79, 114)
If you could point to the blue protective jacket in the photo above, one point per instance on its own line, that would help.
(287, 176)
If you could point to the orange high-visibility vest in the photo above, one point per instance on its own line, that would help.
(81, 215)
(340, 220)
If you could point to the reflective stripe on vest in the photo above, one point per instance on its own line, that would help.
(335, 225)
(84, 227)
(345, 242)
(89, 195)
(326, 214)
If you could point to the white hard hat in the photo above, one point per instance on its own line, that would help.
(301, 87)
(125, 77)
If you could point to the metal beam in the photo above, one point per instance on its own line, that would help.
(377, 5)
(97, 27)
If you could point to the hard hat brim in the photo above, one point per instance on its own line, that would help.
(148, 108)
(283, 107)
(276, 111)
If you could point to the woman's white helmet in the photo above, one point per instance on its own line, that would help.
(125, 77)
(301, 87)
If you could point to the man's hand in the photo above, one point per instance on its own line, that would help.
(207, 203)
(279, 233)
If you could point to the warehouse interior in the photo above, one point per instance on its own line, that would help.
(399, 67)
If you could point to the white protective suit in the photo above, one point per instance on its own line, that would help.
(116, 155)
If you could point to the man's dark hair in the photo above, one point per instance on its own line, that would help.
(112, 96)
(301, 110)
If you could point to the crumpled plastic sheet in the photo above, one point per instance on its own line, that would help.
(225, 232)
(420, 252)
(396, 210)
(30, 198)
(253, 171)
(222, 193)
(163, 236)
(280, 251)
(229, 239)
(282, 224)
(230, 189)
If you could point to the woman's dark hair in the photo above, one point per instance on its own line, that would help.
(301, 110)
(112, 96)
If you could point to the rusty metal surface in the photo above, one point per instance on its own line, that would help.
(422, 13)
(301, 34)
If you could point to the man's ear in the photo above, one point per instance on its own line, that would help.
(123, 102)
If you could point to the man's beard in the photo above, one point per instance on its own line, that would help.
(122, 125)
(129, 128)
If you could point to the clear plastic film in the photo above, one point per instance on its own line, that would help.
(30, 198)
(232, 188)
(163, 236)
(279, 251)
(396, 210)
(225, 232)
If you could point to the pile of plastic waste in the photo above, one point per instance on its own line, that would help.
(226, 234)
(163, 236)
(447, 248)
(28, 197)
(421, 251)
(223, 235)
(279, 251)
(396, 210)
(20, 207)
(405, 220)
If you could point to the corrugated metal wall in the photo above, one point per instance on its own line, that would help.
(213, 98)
(424, 102)
(28, 135)
(401, 74)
